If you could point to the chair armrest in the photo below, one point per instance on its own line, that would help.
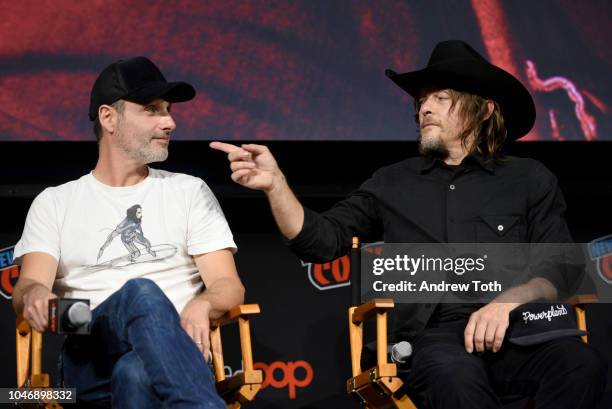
(579, 302)
(376, 387)
(235, 313)
(238, 314)
(28, 348)
(369, 309)
(357, 315)
(23, 337)
(243, 386)
(23, 326)
(582, 299)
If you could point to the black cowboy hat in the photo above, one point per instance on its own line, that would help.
(454, 64)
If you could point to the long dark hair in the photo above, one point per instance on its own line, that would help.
(491, 133)
(131, 213)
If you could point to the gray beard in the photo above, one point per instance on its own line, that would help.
(154, 156)
(433, 148)
(143, 155)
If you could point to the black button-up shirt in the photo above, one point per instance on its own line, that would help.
(423, 200)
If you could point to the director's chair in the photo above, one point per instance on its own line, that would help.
(236, 390)
(379, 387)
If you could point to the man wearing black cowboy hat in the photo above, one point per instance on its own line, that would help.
(462, 190)
(152, 292)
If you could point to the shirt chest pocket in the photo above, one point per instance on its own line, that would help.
(500, 229)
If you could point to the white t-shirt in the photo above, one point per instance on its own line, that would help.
(103, 236)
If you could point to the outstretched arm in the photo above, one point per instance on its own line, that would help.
(253, 166)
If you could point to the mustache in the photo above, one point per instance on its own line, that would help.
(165, 135)
(429, 122)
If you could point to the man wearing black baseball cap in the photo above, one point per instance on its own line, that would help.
(462, 189)
(150, 249)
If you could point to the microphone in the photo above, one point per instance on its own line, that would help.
(77, 315)
(69, 316)
(400, 352)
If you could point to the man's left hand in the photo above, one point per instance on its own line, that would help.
(487, 327)
(195, 321)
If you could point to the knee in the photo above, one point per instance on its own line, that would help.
(143, 290)
(457, 377)
(137, 286)
(144, 295)
(454, 373)
(589, 365)
(457, 381)
(579, 362)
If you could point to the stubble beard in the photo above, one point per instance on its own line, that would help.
(138, 148)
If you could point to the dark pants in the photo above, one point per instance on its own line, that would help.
(563, 373)
(138, 356)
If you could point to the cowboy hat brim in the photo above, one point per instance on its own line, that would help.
(479, 78)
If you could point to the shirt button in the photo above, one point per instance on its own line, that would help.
(452, 187)
(500, 228)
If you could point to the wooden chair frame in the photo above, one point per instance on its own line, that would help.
(242, 387)
(237, 390)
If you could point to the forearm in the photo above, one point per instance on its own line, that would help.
(224, 295)
(286, 209)
(535, 289)
(37, 269)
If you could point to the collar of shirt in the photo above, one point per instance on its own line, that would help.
(471, 161)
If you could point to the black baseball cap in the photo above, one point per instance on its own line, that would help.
(535, 323)
(135, 80)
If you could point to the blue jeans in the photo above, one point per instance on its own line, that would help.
(138, 355)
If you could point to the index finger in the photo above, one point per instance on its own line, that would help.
(224, 147)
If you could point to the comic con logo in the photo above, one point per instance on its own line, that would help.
(601, 253)
(326, 276)
(290, 375)
(8, 272)
(337, 273)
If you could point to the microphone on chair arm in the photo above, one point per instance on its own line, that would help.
(69, 316)
(400, 352)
